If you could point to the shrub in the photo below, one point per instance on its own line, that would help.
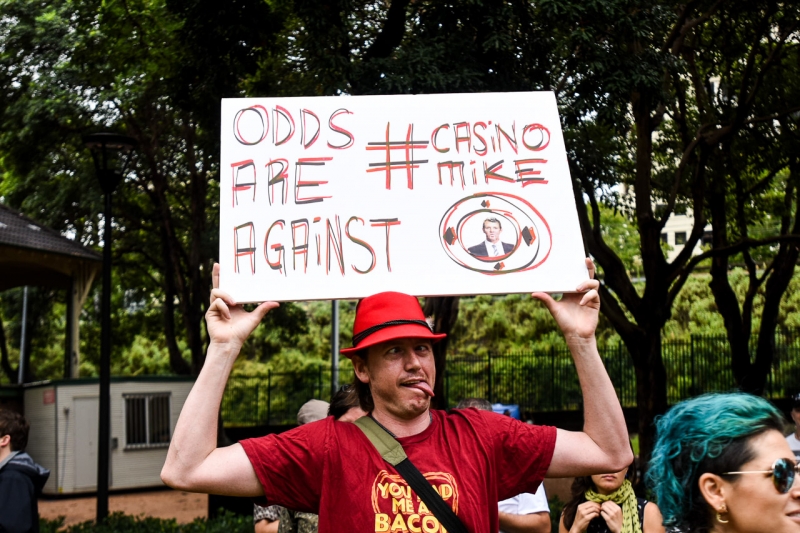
(556, 506)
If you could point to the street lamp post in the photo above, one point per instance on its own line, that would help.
(108, 151)
(334, 346)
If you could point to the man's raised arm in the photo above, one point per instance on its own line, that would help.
(194, 463)
(603, 446)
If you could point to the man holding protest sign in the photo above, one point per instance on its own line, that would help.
(472, 459)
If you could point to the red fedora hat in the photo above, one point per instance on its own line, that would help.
(386, 316)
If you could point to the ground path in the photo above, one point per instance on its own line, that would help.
(182, 506)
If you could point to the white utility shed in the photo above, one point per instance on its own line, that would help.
(63, 416)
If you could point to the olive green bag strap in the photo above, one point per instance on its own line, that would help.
(394, 454)
(387, 446)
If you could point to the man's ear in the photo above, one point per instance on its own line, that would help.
(5, 440)
(360, 368)
(713, 489)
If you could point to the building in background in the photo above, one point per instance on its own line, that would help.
(63, 436)
(676, 232)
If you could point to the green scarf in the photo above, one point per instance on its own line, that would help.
(625, 498)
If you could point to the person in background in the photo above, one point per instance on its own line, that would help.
(21, 480)
(266, 518)
(794, 437)
(523, 513)
(720, 463)
(270, 518)
(606, 503)
(344, 407)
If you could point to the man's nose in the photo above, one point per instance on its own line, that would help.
(411, 360)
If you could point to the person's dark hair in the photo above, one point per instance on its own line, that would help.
(707, 434)
(345, 399)
(14, 424)
(492, 220)
(579, 487)
(362, 389)
(477, 403)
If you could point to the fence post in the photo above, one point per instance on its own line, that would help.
(446, 389)
(269, 395)
(553, 376)
(691, 356)
(258, 403)
(490, 378)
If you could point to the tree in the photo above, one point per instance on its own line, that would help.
(657, 127)
(663, 105)
(409, 47)
(155, 70)
(755, 209)
(647, 135)
(443, 311)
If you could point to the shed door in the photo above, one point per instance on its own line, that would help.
(86, 413)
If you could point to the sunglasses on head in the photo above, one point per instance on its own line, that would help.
(783, 473)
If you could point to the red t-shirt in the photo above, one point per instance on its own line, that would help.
(474, 459)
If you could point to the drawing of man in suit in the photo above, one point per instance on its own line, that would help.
(492, 246)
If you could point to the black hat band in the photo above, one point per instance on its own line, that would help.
(369, 331)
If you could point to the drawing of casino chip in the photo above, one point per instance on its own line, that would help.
(471, 226)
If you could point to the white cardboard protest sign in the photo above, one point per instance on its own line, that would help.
(343, 197)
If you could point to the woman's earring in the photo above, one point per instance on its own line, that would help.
(722, 510)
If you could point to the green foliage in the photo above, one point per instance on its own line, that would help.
(622, 235)
(154, 69)
(634, 84)
(518, 323)
(46, 323)
(296, 338)
(226, 522)
(139, 346)
(50, 526)
(502, 324)
(635, 444)
(695, 310)
(556, 507)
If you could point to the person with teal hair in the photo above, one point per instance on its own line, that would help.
(720, 463)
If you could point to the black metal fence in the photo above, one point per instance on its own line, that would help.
(272, 398)
(536, 381)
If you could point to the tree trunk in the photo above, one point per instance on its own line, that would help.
(776, 287)
(651, 389)
(173, 254)
(176, 361)
(198, 282)
(444, 310)
(751, 375)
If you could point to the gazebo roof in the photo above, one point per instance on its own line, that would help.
(33, 254)
(22, 232)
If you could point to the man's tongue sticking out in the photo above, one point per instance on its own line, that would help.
(420, 385)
